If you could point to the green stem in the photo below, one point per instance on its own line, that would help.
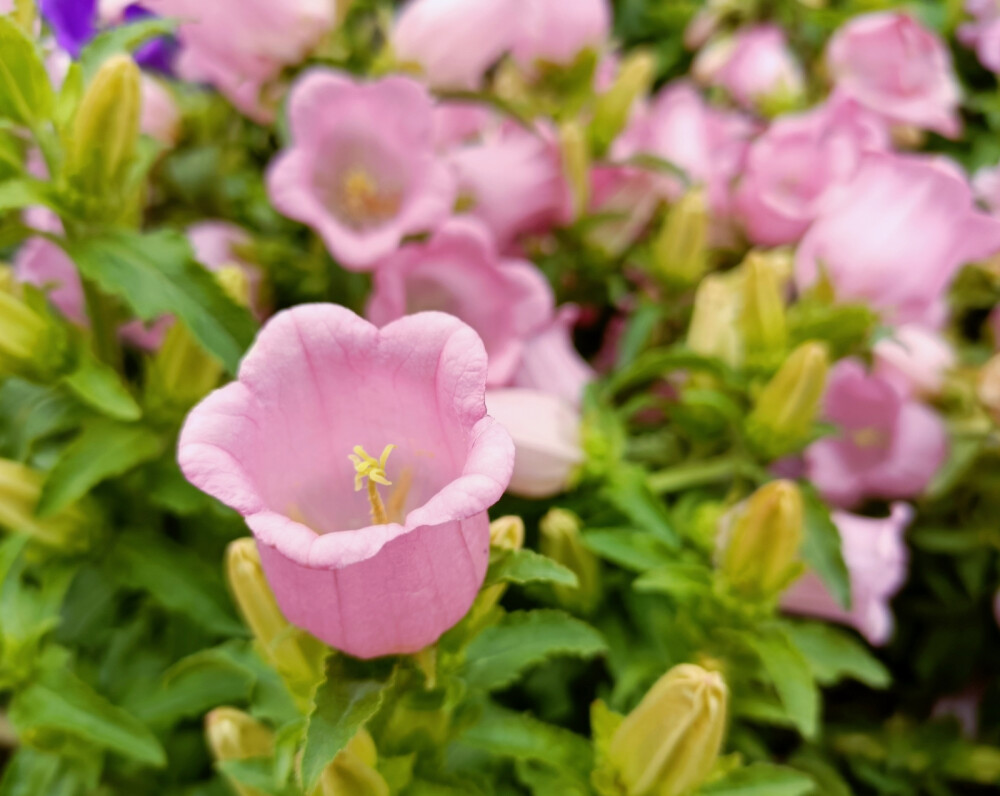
(684, 476)
(103, 325)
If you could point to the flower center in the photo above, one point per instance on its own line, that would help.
(368, 467)
(362, 201)
(870, 438)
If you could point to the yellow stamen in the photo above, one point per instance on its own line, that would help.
(363, 200)
(367, 466)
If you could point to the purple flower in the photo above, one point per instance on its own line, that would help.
(72, 21)
(158, 54)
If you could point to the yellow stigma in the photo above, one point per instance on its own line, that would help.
(367, 466)
(870, 438)
(363, 201)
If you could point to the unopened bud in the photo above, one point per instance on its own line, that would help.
(680, 250)
(669, 744)
(353, 772)
(20, 489)
(562, 542)
(23, 331)
(576, 164)
(784, 412)
(297, 656)
(612, 108)
(106, 129)
(760, 557)
(507, 533)
(762, 312)
(714, 331)
(235, 735)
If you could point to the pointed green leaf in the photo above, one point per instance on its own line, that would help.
(501, 652)
(634, 550)
(790, 674)
(105, 448)
(26, 94)
(60, 702)
(527, 566)
(155, 274)
(99, 386)
(821, 549)
(344, 704)
(835, 655)
(761, 779)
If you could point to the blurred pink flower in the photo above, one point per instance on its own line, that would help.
(886, 446)
(215, 245)
(793, 167)
(361, 169)
(983, 33)
(896, 67)
(44, 264)
(986, 184)
(754, 65)
(708, 145)
(623, 200)
(876, 558)
(274, 445)
(458, 123)
(546, 433)
(897, 234)
(914, 360)
(550, 362)
(454, 42)
(964, 707)
(556, 31)
(459, 271)
(513, 181)
(240, 45)
(161, 118)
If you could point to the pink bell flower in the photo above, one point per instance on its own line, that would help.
(286, 445)
(753, 66)
(914, 360)
(877, 559)
(550, 362)
(983, 32)
(361, 170)
(886, 446)
(458, 271)
(895, 237)
(546, 433)
(161, 118)
(512, 180)
(797, 163)
(241, 45)
(896, 67)
(454, 43)
(556, 31)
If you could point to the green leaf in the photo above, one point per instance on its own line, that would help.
(26, 94)
(635, 550)
(105, 448)
(544, 780)
(99, 386)
(155, 274)
(790, 674)
(30, 772)
(835, 655)
(30, 412)
(177, 578)
(60, 702)
(122, 38)
(761, 779)
(501, 652)
(344, 704)
(527, 566)
(678, 579)
(821, 549)
(520, 736)
(628, 491)
(18, 194)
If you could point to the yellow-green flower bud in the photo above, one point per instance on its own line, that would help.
(22, 330)
(784, 412)
(507, 533)
(20, 490)
(680, 250)
(102, 142)
(612, 108)
(235, 735)
(562, 542)
(762, 312)
(576, 164)
(297, 656)
(714, 331)
(668, 745)
(353, 772)
(760, 555)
